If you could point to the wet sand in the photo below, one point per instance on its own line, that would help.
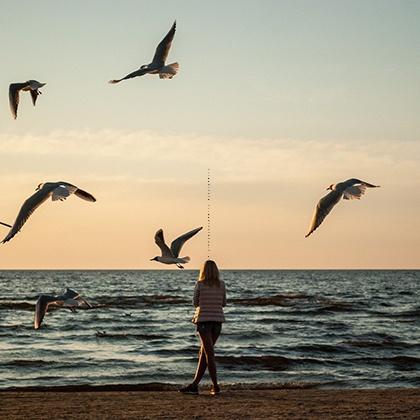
(232, 404)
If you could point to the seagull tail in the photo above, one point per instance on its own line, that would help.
(186, 259)
(169, 71)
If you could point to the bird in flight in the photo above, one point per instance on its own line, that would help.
(157, 66)
(55, 190)
(171, 255)
(32, 86)
(348, 190)
(70, 299)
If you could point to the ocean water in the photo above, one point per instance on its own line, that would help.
(337, 328)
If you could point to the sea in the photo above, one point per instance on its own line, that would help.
(290, 328)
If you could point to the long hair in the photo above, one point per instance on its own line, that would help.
(209, 274)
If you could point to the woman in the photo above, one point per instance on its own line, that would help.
(209, 300)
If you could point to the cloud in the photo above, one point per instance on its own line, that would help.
(264, 192)
(146, 156)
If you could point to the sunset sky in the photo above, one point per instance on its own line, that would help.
(279, 98)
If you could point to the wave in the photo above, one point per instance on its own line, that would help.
(28, 362)
(162, 386)
(121, 336)
(105, 301)
(45, 364)
(398, 361)
(339, 307)
(276, 300)
(6, 329)
(274, 363)
(21, 305)
(100, 301)
(306, 304)
(28, 306)
(300, 303)
(410, 313)
(408, 361)
(387, 342)
(320, 348)
(136, 301)
(238, 335)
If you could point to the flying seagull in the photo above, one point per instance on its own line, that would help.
(32, 85)
(70, 299)
(157, 66)
(55, 190)
(348, 190)
(171, 255)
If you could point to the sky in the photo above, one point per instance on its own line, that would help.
(279, 99)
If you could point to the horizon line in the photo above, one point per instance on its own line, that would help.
(222, 269)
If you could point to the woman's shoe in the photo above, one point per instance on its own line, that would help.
(215, 390)
(189, 389)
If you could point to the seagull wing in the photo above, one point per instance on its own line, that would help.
(354, 192)
(60, 193)
(177, 244)
(355, 188)
(84, 195)
(162, 49)
(28, 207)
(354, 181)
(366, 184)
(14, 89)
(41, 308)
(160, 242)
(84, 301)
(324, 206)
(69, 294)
(140, 72)
(72, 189)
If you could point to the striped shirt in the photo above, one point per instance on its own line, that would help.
(209, 302)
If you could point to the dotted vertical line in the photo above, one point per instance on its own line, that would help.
(208, 212)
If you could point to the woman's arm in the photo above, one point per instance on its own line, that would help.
(224, 295)
(196, 297)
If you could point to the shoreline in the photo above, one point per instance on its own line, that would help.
(174, 387)
(162, 387)
(231, 404)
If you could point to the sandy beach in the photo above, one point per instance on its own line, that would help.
(232, 404)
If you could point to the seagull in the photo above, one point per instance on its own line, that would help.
(55, 190)
(348, 190)
(70, 299)
(171, 256)
(157, 66)
(32, 85)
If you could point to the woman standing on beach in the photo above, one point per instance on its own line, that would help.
(209, 300)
